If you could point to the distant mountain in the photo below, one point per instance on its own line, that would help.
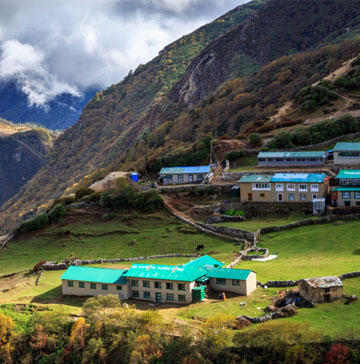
(59, 114)
(216, 81)
(22, 153)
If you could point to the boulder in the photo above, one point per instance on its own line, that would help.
(239, 323)
(286, 311)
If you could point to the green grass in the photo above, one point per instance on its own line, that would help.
(258, 222)
(244, 164)
(310, 251)
(155, 234)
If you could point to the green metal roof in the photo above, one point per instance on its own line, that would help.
(292, 154)
(227, 273)
(349, 174)
(165, 272)
(97, 275)
(204, 262)
(255, 178)
(343, 146)
(342, 189)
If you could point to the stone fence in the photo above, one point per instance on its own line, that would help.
(214, 188)
(236, 233)
(5, 239)
(66, 263)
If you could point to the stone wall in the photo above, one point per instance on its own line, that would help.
(66, 263)
(214, 189)
(236, 233)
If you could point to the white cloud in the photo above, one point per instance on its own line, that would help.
(25, 64)
(58, 46)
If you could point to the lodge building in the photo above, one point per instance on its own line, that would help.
(346, 153)
(291, 158)
(284, 187)
(181, 284)
(182, 175)
(347, 194)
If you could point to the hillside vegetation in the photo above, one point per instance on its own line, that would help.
(225, 77)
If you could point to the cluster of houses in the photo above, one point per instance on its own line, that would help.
(310, 188)
(179, 284)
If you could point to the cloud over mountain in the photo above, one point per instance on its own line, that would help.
(55, 47)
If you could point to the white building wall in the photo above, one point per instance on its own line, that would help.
(87, 291)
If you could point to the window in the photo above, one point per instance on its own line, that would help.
(291, 197)
(302, 187)
(181, 298)
(92, 285)
(81, 284)
(146, 294)
(279, 187)
(169, 285)
(169, 297)
(302, 197)
(181, 287)
(314, 197)
(119, 288)
(70, 284)
(314, 188)
(220, 281)
(134, 283)
(158, 285)
(347, 203)
(357, 194)
(346, 194)
(261, 186)
(236, 282)
(290, 187)
(104, 287)
(169, 177)
(200, 177)
(180, 178)
(146, 284)
(262, 194)
(135, 293)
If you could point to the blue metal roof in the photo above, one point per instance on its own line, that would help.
(348, 174)
(97, 275)
(187, 170)
(256, 178)
(315, 154)
(299, 177)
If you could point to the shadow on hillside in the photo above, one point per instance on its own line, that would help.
(356, 251)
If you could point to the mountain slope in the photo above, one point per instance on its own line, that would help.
(139, 120)
(21, 156)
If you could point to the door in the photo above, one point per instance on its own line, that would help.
(158, 297)
(280, 197)
(250, 196)
(190, 178)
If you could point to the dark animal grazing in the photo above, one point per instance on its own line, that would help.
(199, 247)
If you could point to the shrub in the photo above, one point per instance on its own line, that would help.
(255, 139)
(282, 140)
(108, 216)
(57, 212)
(66, 200)
(84, 191)
(106, 199)
(38, 266)
(36, 223)
(235, 154)
(94, 197)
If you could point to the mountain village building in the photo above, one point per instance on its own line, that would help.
(179, 284)
(291, 158)
(181, 175)
(284, 187)
(348, 192)
(321, 289)
(347, 153)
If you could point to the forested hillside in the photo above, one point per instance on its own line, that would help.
(217, 81)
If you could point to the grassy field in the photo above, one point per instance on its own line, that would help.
(304, 252)
(244, 164)
(157, 233)
(258, 222)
